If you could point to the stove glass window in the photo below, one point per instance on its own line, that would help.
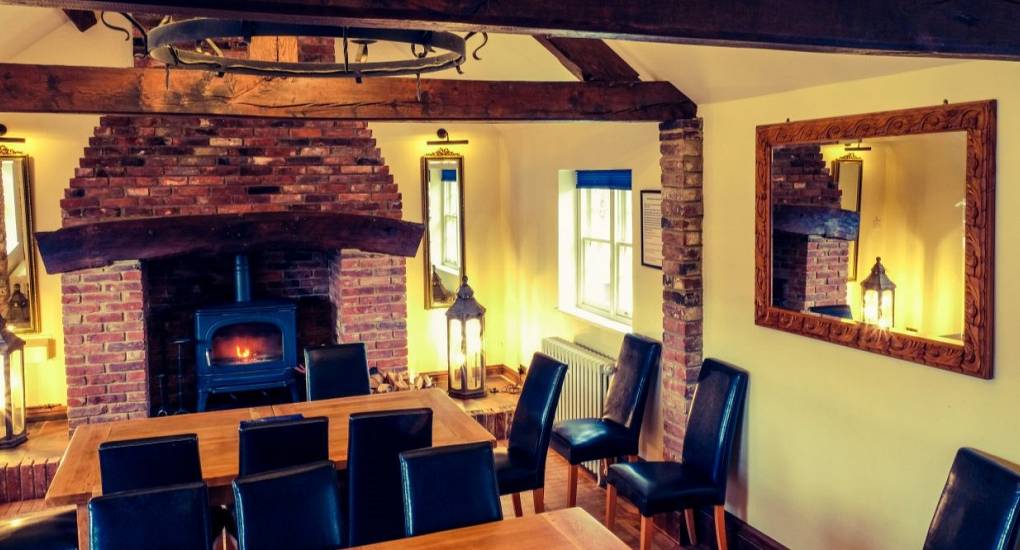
(246, 343)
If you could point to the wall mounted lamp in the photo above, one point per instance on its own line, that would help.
(444, 139)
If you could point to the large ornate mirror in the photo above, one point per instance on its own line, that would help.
(19, 300)
(442, 177)
(876, 232)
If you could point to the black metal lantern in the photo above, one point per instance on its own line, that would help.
(465, 324)
(12, 392)
(878, 294)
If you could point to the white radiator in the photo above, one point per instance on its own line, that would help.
(584, 389)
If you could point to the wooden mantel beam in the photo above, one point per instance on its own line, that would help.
(953, 28)
(100, 90)
(103, 243)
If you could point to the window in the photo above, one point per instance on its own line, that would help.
(605, 244)
(444, 220)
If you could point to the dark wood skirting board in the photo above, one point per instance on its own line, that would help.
(741, 535)
(978, 120)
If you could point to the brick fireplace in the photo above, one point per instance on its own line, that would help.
(121, 322)
(809, 270)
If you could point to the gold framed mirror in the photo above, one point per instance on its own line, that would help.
(442, 182)
(19, 300)
(923, 218)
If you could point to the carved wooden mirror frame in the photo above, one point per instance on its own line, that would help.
(974, 356)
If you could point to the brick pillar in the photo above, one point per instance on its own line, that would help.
(104, 344)
(370, 292)
(682, 212)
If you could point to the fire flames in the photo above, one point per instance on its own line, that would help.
(242, 353)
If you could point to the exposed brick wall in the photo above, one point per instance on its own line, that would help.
(26, 478)
(167, 166)
(682, 212)
(807, 271)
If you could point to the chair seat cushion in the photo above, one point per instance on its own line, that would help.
(52, 530)
(514, 476)
(592, 439)
(656, 487)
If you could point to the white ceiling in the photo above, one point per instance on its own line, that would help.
(706, 74)
(22, 27)
(709, 74)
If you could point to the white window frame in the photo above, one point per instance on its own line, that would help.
(617, 198)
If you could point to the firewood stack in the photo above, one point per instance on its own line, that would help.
(389, 381)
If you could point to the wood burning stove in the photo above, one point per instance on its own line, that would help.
(246, 345)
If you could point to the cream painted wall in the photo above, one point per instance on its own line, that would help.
(536, 153)
(56, 142)
(487, 237)
(842, 448)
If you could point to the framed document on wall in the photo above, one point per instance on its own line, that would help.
(651, 228)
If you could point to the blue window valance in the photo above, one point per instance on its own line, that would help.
(603, 179)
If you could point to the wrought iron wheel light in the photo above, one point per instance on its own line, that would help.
(430, 50)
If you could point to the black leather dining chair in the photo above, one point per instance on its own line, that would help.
(280, 442)
(48, 530)
(521, 466)
(339, 370)
(700, 479)
(449, 487)
(296, 508)
(979, 507)
(375, 498)
(172, 517)
(149, 462)
(618, 431)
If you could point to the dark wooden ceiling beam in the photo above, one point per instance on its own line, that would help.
(83, 20)
(103, 243)
(589, 60)
(101, 90)
(952, 28)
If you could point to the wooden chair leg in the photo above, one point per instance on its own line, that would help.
(610, 506)
(692, 536)
(538, 495)
(632, 458)
(572, 486)
(518, 511)
(646, 533)
(720, 527)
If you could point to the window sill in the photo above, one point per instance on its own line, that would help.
(596, 319)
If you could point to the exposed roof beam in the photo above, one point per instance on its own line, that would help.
(59, 89)
(953, 28)
(83, 20)
(590, 60)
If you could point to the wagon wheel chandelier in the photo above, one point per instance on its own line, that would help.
(191, 44)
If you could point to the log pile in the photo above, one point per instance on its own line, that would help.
(394, 380)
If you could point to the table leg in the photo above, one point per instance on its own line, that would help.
(83, 527)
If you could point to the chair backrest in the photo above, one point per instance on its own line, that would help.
(150, 462)
(336, 371)
(979, 507)
(296, 507)
(449, 487)
(635, 372)
(175, 516)
(375, 498)
(716, 410)
(533, 420)
(270, 445)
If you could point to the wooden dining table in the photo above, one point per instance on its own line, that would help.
(77, 479)
(570, 528)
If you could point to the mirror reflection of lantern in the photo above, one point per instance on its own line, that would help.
(465, 321)
(12, 387)
(879, 296)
